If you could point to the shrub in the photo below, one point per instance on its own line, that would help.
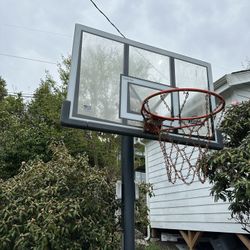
(229, 169)
(61, 204)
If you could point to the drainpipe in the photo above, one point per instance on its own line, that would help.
(147, 238)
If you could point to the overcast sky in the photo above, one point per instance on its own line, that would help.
(216, 31)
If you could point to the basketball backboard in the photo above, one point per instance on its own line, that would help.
(111, 76)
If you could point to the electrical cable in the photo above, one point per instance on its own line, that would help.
(23, 96)
(107, 18)
(35, 30)
(95, 5)
(27, 58)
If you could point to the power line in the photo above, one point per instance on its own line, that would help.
(36, 30)
(95, 5)
(107, 18)
(125, 37)
(22, 95)
(28, 58)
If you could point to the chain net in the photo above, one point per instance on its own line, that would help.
(183, 162)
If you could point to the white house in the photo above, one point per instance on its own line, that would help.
(189, 208)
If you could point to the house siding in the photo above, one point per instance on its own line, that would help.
(183, 207)
(188, 207)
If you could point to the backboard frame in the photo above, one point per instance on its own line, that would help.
(70, 117)
(127, 81)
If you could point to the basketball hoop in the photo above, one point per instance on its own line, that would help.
(183, 161)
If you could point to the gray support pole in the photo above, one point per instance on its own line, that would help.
(128, 192)
(128, 184)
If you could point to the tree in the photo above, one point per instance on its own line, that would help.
(12, 116)
(27, 129)
(100, 76)
(44, 113)
(3, 90)
(246, 65)
(229, 169)
(60, 204)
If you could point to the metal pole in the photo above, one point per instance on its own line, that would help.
(128, 192)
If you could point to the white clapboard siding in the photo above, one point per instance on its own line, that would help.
(242, 93)
(228, 227)
(180, 206)
(183, 203)
(190, 207)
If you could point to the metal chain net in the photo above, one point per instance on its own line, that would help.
(183, 162)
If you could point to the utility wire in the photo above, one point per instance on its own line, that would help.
(219, 66)
(27, 58)
(35, 30)
(227, 68)
(23, 96)
(107, 18)
(125, 37)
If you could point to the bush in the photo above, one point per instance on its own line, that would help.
(229, 169)
(61, 204)
(141, 208)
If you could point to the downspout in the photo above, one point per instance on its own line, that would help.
(147, 238)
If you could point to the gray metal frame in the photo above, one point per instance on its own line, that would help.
(124, 95)
(72, 119)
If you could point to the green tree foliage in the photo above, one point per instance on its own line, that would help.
(60, 204)
(3, 90)
(12, 132)
(27, 129)
(141, 210)
(229, 169)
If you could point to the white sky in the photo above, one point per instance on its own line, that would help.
(216, 31)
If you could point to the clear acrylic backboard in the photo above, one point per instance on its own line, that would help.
(111, 76)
